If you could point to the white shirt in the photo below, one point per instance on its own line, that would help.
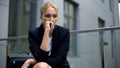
(50, 44)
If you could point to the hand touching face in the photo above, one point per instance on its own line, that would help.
(49, 18)
(48, 25)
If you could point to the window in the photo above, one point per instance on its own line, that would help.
(70, 22)
(21, 17)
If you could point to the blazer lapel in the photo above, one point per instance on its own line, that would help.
(55, 38)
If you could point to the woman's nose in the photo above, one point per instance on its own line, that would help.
(51, 18)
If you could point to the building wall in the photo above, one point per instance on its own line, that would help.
(4, 14)
(90, 11)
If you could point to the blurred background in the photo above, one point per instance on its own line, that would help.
(94, 30)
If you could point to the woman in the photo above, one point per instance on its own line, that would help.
(49, 43)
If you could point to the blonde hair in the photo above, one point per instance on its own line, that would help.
(47, 5)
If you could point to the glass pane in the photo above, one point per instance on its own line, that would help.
(26, 17)
(22, 15)
(73, 49)
(65, 8)
(71, 10)
(12, 18)
(72, 39)
(65, 22)
(15, 47)
(71, 24)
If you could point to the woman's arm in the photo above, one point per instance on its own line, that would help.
(61, 55)
(35, 41)
(45, 44)
(41, 55)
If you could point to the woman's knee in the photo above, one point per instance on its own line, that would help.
(42, 65)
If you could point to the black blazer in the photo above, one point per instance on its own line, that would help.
(60, 46)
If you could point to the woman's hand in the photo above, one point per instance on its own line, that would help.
(28, 62)
(49, 25)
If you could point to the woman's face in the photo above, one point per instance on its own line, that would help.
(49, 15)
